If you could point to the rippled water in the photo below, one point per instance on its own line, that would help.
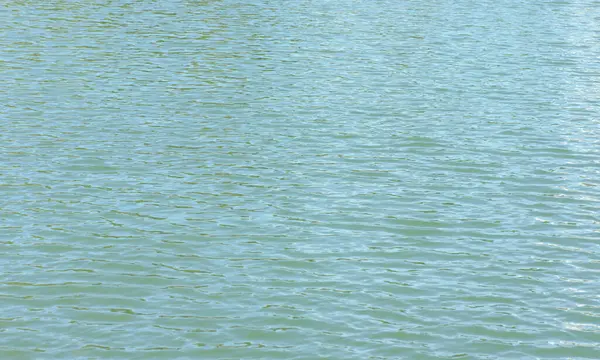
(337, 179)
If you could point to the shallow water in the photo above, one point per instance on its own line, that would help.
(337, 179)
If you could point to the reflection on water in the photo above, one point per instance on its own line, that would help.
(337, 179)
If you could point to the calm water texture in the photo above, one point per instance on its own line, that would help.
(336, 179)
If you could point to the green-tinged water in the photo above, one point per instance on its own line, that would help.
(310, 179)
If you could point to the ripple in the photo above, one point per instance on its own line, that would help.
(336, 179)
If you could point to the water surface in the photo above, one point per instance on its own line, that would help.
(337, 179)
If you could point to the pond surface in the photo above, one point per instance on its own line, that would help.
(267, 179)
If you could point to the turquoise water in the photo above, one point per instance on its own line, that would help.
(335, 179)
